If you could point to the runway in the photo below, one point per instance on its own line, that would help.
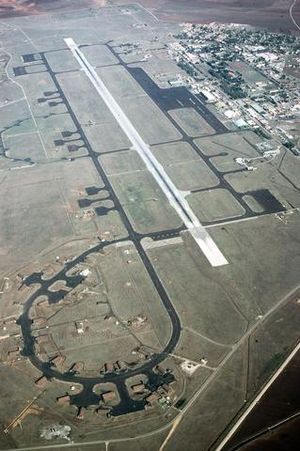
(174, 196)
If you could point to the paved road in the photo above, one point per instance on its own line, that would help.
(25, 321)
(291, 11)
(257, 399)
(176, 421)
(174, 196)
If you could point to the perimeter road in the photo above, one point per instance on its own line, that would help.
(291, 11)
(174, 196)
(257, 399)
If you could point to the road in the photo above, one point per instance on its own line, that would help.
(173, 97)
(257, 399)
(196, 395)
(234, 349)
(291, 11)
(174, 196)
(25, 322)
(174, 323)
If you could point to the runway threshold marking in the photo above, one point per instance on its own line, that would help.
(174, 196)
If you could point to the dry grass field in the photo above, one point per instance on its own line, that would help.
(270, 14)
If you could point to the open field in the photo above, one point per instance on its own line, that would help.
(234, 239)
(106, 299)
(119, 82)
(90, 109)
(273, 408)
(192, 175)
(145, 203)
(16, 119)
(278, 176)
(229, 385)
(148, 443)
(267, 347)
(158, 65)
(106, 137)
(177, 152)
(271, 14)
(130, 292)
(276, 339)
(27, 205)
(99, 55)
(44, 412)
(62, 61)
(41, 86)
(213, 205)
(251, 76)
(195, 347)
(159, 130)
(180, 272)
(266, 177)
(25, 147)
(235, 393)
(47, 196)
(117, 163)
(191, 122)
(236, 144)
(187, 169)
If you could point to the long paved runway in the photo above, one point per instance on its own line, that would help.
(175, 197)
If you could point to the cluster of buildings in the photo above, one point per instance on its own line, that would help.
(10, 343)
(161, 393)
(250, 76)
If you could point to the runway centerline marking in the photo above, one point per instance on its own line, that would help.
(174, 196)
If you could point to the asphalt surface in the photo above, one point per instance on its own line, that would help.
(163, 99)
(87, 397)
(175, 197)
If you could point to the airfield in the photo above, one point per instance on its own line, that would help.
(149, 283)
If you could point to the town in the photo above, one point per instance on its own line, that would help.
(251, 77)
